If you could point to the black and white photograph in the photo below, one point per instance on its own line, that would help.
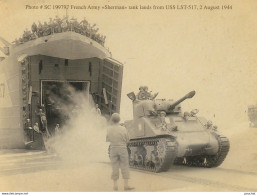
(128, 96)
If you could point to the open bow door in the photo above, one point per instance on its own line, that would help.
(111, 84)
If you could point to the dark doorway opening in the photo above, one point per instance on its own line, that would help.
(58, 98)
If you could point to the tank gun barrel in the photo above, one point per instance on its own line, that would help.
(187, 96)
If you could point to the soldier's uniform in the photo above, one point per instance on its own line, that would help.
(118, 137)
(43, 121)
(141, 94)
(28, 130)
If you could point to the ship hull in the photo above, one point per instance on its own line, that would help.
(37, 65)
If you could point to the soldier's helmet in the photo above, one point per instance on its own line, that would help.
(209, 123)
(141, 87)
(115, 118)
(145, 88)
(162, 113)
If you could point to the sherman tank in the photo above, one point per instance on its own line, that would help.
(162, 135)
(252, 115)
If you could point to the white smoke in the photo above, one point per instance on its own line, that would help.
(82, 138)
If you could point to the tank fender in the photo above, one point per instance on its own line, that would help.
(213, 146)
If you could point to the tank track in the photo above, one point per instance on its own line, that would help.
(155, 154)
(207, 161)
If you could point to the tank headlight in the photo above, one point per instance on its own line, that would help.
(215, 128)
(208, 125)
(186, 115)
(194, 112)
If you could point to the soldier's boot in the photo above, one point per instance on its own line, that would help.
(126, 186)
(115, 185)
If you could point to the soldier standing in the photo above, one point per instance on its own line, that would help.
(57, 25)
(102, 40)
(40, 29)
(141, 94)
(148, 94)
(43, 121)
(84, 26)
(118, 138)
(36, 128)
(46, 29)
(64, 25)
(51, 25)
(34, 28)
(98, 111)
(28, 130)
(57, 130)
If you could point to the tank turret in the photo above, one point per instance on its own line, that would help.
(169, 106)
(151, 107)
(161, 135)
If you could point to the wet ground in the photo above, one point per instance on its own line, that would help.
(23, 170)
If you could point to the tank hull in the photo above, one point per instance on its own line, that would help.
(157, 154)
(159, 140)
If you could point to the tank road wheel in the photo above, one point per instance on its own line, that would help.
(166, 151)
(161, 154)
(216, 160)
(156, 154)
(162, 148)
